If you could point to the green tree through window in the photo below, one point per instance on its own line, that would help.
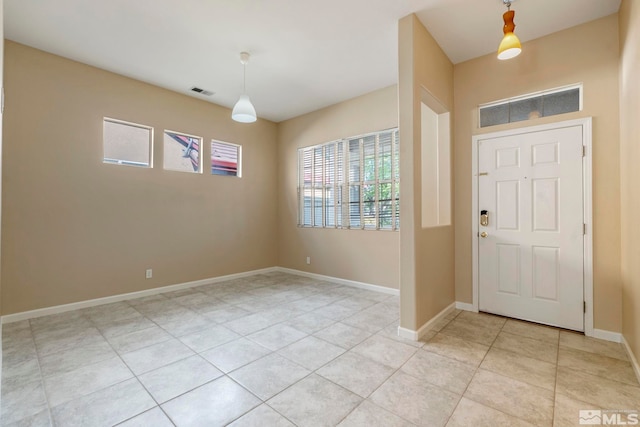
(367, 182)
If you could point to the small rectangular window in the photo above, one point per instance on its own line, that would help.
(532, 106)
(226, 159)
(182, 152)
(127, 143)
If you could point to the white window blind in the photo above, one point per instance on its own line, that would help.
(127, 143)
(226, 159)
(351, 183)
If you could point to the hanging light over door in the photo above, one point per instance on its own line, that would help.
(510, 46)
(243, 111)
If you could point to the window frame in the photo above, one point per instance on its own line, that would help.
(120, 162)
(164, 153)
(342, 183)
(530, 96)
(238, 147)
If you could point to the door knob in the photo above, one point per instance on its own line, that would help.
(483, 234)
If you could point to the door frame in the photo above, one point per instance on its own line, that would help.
(587, 192)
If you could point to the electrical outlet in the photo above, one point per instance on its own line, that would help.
(308, 260)
(148, 273)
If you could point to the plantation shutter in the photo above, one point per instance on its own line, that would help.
(350, 183)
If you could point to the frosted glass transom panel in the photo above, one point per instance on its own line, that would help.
(533, 106)
(561, 102)
(495, 115)
(525, 110)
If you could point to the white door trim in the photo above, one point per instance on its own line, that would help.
(587, 197)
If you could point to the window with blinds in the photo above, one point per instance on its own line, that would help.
(351, 183)
(225, 159)
(127, 143)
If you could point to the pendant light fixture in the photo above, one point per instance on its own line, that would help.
(510, 46)
(243, 111)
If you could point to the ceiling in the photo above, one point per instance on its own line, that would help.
(305, 55)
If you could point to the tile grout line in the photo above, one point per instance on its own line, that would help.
(343, 296)
(158, 405)
(387, 379)
(226, 374)
(396, 370)
(363, 399)
(478, 368)
(132, 373)
(595, 354)
(462, 395)
(44, 390)
(379, 333)
(312, 372)
(555, 384)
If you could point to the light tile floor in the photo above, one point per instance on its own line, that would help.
(283, 350)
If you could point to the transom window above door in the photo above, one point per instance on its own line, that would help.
(532, 106)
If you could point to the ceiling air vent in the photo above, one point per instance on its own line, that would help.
(202, 91)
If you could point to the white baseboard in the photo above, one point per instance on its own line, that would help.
(632, 358)
(361, 285)
(16, 317)
(0, 363)
(408, 334)
(465, 306)
(416, 335)
(607, 335)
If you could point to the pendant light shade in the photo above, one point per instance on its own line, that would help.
(244, 111)
(510, 46)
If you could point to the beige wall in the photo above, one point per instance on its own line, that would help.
(74, 228)
(588, 54)
(360, 255)
(1, 133)
(1, 120)
(427, 254)
(629, 170)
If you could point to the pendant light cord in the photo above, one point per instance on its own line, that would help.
(244, 78)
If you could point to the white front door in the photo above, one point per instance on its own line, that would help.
(530, 252)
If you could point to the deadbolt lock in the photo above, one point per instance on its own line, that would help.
(484, 218)
(483, 234)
